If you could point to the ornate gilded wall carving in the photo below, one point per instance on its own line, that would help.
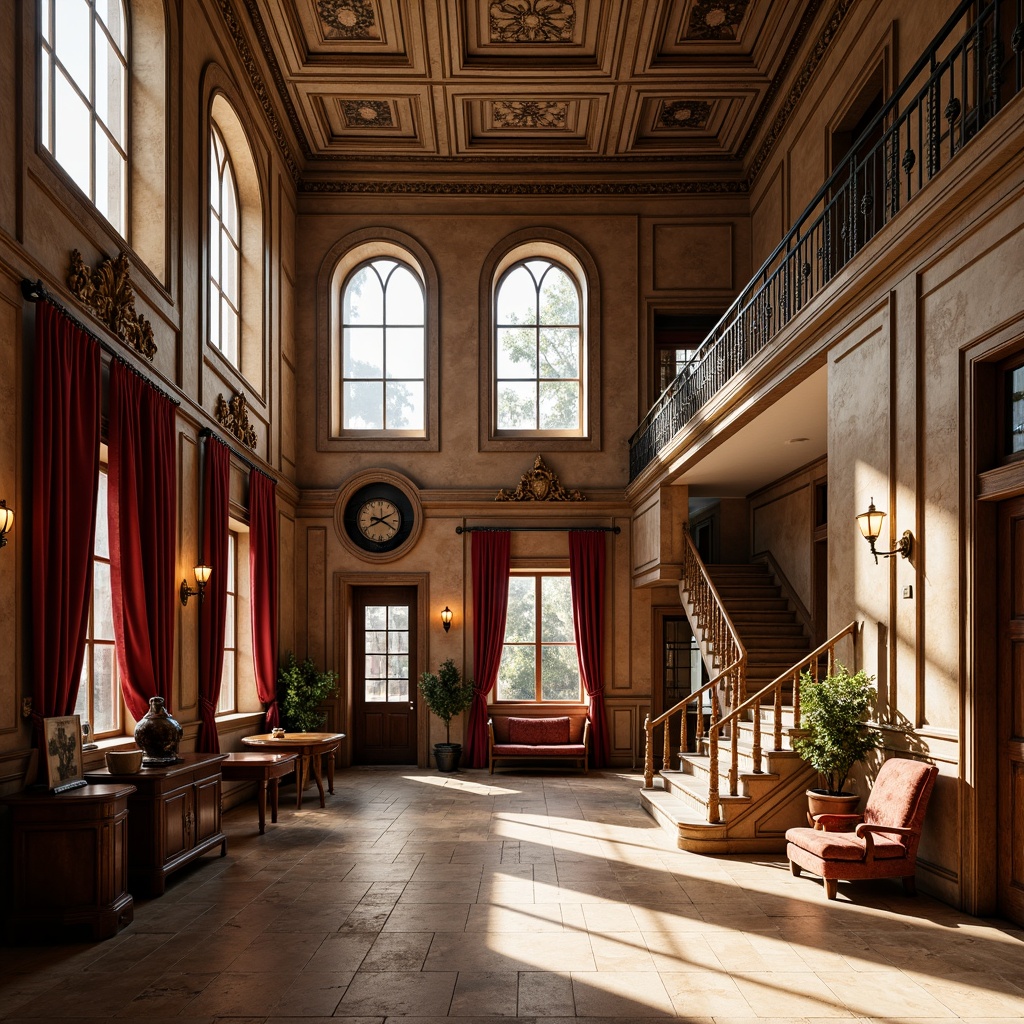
(539, 484)
(108, 293)
(233, 416)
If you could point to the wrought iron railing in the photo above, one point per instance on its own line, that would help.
(970, 71)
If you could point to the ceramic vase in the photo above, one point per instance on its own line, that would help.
(158, 735)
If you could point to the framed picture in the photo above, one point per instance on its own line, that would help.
(62, 740)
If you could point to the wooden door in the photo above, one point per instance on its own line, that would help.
(384, 675)
(1010, 559)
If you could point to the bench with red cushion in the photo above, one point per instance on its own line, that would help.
(538, 739)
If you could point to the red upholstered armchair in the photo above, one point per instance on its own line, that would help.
(884, 842)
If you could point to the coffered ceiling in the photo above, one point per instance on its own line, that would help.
(456, 91)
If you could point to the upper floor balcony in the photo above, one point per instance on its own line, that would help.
(971, 70)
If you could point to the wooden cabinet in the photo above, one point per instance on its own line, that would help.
(174, 818)
(69, 863)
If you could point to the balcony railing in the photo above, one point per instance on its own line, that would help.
(970, 71)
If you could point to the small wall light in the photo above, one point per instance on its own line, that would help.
(870, 524)
(446, 618)
(202, 573)
(6, 521)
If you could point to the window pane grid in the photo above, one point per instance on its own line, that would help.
(383, 350)
(538, 350)
(84, 99)
(227, 702)
(538, 658)
(386, 655)
(99, 692)
(225, 251)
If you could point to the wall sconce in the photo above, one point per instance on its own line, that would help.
(6, 521)
(446, 618)
(202, 578)
(870, 524)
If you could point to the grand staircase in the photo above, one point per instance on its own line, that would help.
(742, 785)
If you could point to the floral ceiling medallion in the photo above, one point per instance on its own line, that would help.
(109, 294)
(533, 21)
(233, 416)
(348, 19)
(539, 484)
(367, 114)
(716, 19)
(691, 115)
(529, 114)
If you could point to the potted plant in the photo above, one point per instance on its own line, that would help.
(446, 696)
(833, 711)
(303, 690)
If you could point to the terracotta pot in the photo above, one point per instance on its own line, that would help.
(819, 801)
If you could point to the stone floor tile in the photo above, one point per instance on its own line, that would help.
(493, 991)
(543, 994)
(623, 995)
(399, 993)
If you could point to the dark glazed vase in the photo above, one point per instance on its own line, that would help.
(158, 734)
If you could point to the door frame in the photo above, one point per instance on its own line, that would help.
(345, 584)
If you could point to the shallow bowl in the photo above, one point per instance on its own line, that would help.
(122, 762)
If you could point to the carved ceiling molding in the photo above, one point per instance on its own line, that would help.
(685, 115)
(520, 188)
(109, 294)
(233, 415)
(828, 34)
(529, 114)
(532, 21)
(348, 19)
(539, 484)
(259, 86)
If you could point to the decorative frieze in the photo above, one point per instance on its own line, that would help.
(539, 484)
(109, 294)
(233, 416)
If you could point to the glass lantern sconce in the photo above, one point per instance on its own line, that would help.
(6, 522)
(446, 618)
(870, 524)
(202, 578)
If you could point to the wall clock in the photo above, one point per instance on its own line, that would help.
(378, 515)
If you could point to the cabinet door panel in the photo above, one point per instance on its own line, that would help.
(177, 823)
(207, 808)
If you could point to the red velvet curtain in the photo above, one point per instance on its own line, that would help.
(491, 552)
(586, 576)
(213, 610)
(65, 475)
(263, 585)
(141, 485)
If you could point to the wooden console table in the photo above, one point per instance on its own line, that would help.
(310, 746)
(174, 818)
(70, 861)
(265, 769)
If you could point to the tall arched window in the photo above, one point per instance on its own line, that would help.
(84, 98)
(235, 251)
(383, 350)
(225, 250)
(538, 339)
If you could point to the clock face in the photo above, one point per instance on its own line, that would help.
(379, 520)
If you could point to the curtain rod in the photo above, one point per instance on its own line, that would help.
(536, 529)
(35, 291)
(208, 432)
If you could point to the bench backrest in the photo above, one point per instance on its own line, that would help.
(547, 731)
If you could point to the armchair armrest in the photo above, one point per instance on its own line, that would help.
(586, 734)
(836, 822)
(864, 828)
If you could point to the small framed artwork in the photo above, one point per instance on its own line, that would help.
(62, 740)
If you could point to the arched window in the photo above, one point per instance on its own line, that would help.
(538, 344)
(84, 98)
(225, 250)
(235, 251)
(540, 371)
(383, 349)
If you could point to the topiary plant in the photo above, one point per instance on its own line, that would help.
(304, 689)
(446, 694)
(833, 711)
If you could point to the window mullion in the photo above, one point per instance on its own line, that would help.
(537, 636)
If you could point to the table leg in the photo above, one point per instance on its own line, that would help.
(330, 770)
(273, 799)
(300, 768)
(261, 803)
(318, 775)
